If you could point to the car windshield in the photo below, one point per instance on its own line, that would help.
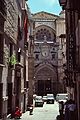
(44, 96)
(62, 96)
(50, 95)
(38, 97)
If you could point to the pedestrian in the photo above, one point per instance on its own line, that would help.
(31, 110)
(18, 113)
(72, 110)
(66, 109)
(61, 108)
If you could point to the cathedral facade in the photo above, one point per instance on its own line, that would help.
(45, 53)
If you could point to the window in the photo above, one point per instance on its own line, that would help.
(37, 56)
(41, 29)
(10, 53)
(9, 93)
(63, 55)
(43, 32)
(19, 55)
(3, 7)
(27, 84)
(11, 49)
(53, 56)
(54, 49)
(19, 30)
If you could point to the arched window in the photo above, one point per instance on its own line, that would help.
(44, 32)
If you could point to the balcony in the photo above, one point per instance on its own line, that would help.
(3, 9)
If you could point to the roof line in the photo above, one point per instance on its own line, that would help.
(45, 13)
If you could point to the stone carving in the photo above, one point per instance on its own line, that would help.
(44, 15)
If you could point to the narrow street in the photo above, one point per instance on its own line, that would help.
(47, 112)
(39, 58)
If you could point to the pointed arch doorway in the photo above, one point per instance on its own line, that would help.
(45, 80)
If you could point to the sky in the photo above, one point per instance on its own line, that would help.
(50, 6)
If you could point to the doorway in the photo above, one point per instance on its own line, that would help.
(9, 97)
(18, 91)
(44, 87)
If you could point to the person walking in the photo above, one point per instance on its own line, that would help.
(31, 110)
(70, 110)
(61, 108)
(66, 109)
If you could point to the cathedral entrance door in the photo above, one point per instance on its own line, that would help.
(41, 87)
(48, 87)
(44, 87)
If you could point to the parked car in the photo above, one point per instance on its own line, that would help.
(44, 98)
(62, 97)
(38, 101)
(50, 98)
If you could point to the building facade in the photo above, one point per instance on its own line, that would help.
(3, 15)
(46, 46)
(72, 10)
(61, 39)
(13, 57)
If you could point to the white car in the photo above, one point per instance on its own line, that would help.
(62, 97)
(38, 101)
(44, 98)
(50, 98)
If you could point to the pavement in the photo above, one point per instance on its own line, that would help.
(47, 112)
